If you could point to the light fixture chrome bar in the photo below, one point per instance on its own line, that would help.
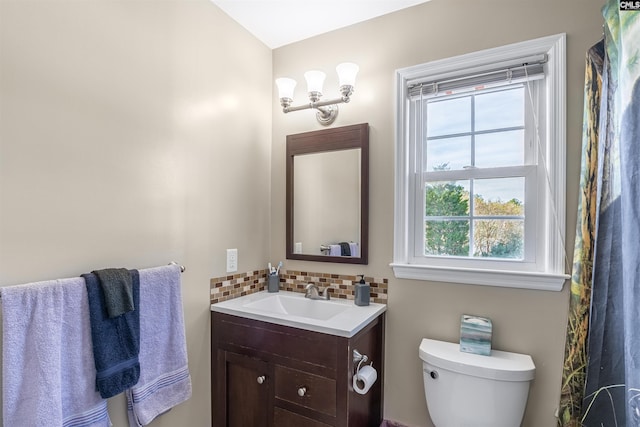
(327, 111)
(287, 107)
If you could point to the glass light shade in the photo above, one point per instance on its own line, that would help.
(285, 87)
(315, 80)
(347, 72)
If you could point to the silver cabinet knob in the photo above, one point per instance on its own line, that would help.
(261, 379)
(302, 391)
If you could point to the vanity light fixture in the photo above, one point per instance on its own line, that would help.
(327, 110)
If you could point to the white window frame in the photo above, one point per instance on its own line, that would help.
(548, 270)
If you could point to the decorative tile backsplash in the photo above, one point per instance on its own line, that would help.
(339, 285)
(228, 287)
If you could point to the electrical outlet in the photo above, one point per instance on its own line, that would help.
(232, 260)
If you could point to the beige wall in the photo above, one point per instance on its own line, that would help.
(134, 133)
(531, 322)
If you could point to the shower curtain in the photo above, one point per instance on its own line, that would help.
(601, 377)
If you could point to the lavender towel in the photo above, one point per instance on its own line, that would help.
(164, 373)
(335, 250)
(354, 249)
(48, 375)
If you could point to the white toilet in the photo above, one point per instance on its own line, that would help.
(470, 390)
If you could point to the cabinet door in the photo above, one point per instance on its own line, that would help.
(247, 391)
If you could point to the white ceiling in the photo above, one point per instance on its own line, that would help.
(280, 22)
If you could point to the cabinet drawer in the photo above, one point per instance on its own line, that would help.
(318, 393)
(284, 418)
(281, 341)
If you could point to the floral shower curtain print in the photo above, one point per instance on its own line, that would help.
(611, 394)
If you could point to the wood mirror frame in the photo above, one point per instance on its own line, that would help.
(334, 139)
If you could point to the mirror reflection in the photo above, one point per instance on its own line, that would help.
(327, 195)
(327, 203)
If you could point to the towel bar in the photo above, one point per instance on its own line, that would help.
(182, 269)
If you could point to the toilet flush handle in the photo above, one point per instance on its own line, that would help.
(433, 375)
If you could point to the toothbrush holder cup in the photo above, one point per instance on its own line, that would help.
(273, 282)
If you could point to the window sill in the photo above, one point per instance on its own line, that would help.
(506, 279)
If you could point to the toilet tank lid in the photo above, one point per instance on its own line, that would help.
(500, 365)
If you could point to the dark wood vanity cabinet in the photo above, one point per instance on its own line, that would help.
(245, 385)
(263, 374)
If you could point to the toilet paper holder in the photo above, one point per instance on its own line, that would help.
(359, 358)
(364, 377)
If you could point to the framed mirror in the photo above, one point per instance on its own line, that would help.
(327, 200)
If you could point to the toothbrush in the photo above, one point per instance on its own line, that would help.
(278, 270)
(270, 269)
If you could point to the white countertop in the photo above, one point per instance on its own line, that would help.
(266, 306)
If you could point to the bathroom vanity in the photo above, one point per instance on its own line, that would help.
(272, 368)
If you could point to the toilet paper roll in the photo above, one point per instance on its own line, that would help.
(364, 379)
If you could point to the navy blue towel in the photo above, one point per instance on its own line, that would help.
(345, 249)
(116, 340)
(117, 288)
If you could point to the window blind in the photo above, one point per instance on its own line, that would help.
(519, 71)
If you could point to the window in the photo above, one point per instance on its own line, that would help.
(480, 158)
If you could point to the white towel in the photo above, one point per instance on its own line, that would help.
(354, 249)
(48, 374)
(164, 373)
(335, 250)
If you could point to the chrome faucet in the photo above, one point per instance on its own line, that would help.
(313, 292)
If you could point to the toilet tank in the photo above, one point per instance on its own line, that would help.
(471, 390)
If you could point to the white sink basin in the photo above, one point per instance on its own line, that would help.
(337, 317)
(296, 306)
